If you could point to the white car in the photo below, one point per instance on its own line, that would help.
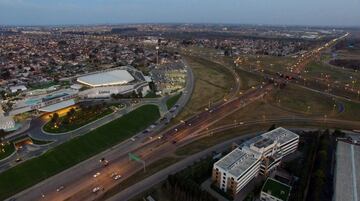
(113, 174)
(96, 189)
(117, 177)
(60, 188)
(96, 175)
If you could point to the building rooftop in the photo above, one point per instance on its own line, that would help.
(281, 135)
(242, 158)
(276, 189)
(115, 77)
(237, 162)
(278, 135)
(347, 177)
(263, 142)
(58, 106)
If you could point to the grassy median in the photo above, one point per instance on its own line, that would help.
(6, 149)
(72, 152)
(212, 83)
(172, 101)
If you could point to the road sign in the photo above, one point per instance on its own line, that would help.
(137, 158)
(134, 157)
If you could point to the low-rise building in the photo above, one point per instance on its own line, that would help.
(17, 88)
(7, 123)
(259, 155)
(43, 101)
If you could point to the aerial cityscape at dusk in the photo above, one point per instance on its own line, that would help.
(175, 100)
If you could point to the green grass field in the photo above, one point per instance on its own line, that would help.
(72, 152)
(6, 150)
(172, 101)
(319, 70)
(247, 79)
(303, 101)
(212, 83)
(77, 123)
(300, 100)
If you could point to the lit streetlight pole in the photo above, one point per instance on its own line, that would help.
(157, 55)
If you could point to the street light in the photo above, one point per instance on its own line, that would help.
(157, 54)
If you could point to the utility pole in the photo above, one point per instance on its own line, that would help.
(157, 55)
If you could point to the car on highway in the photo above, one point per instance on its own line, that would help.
(96, 189)
(60, 188)
(132, 139)
(113, 174)
(104, 162)
(117, 177)
(96, 174)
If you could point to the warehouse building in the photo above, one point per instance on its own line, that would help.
(259, 155)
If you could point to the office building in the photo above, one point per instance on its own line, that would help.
(259, 155)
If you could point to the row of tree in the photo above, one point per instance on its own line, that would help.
(321, 183)
(186, 184)
(81, 114)
(127, 96)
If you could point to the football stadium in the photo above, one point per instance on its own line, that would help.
(108, 78)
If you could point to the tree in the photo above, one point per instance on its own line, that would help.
(55, 118)
(2, 135)
(133, 94)
(152, 86)
(272, 127)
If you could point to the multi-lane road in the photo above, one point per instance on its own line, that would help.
(35, 130)
(79, 182)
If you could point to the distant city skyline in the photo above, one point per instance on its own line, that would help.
(269, 12)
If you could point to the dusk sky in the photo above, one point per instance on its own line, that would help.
(273, 12)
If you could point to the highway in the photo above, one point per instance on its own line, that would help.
(156, 178)
(79, 182)
(35, 130)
